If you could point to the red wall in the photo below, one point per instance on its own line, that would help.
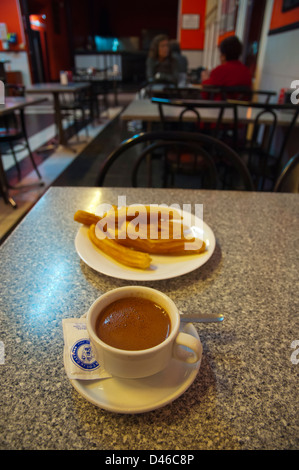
(280, 19)
(9, 14)
(58, 46)
(193, 39)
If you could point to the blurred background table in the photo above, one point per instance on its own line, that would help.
(145, 110)
(56, 89)
(246, 393)
(12, 105)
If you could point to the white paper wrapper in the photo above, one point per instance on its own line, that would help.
(79, 360)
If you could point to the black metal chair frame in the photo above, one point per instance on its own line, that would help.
(241, 93)
(71, 102)
(15, 135)
(244, 93)
(185, 93)
(286, 172)
(264, 150)
(193, 147)
(189, 139)
(11, 136)
(98, 88)
(194, 106)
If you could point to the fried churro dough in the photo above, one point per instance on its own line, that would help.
(166, 247)
(121, 253)
(131, 242)
(86, 218)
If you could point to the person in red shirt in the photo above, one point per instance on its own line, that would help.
(231, 72)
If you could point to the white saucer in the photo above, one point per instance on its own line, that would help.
(133, 396)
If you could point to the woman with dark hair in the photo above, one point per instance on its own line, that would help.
(231, 72)
(160, 65)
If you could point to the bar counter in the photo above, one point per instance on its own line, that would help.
(245, 395)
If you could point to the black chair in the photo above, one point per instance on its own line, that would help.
(185, 93)
(72, 103)
(4, 189)
(99, 95)
(99, 88)
(288, 180)
(12, 89)
(217, 128)
(14, 139)
(243, 93)
(265, 155)
(150, 88)
(167, 149)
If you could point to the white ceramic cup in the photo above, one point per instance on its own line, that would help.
(146, 362)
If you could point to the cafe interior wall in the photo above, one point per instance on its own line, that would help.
(278, 66)
(17, 53)
(281, 57)
(55, 21)
(121, 19)
(59, 56)
(192, 40)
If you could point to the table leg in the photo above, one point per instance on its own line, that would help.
(58, 120)
(4, 188)
(115, 92)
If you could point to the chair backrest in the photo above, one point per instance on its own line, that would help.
(213, 155)
(181, 93)
(243, 93)
(8, 123)
(274, 110)
(288, 180)
(197, 107)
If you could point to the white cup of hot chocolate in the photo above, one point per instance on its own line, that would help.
(135, 332)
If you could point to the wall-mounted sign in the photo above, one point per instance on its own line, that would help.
(289, 5)
(190, 21)
(3, 31)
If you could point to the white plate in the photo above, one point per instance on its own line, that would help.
(162, 267)
(131, 396)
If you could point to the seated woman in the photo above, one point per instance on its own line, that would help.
(161, 67)
(231, 72)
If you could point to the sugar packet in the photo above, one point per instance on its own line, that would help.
(79, 359)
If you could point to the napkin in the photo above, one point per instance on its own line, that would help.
(79, 359)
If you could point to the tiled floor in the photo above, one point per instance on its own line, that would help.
(56, 167)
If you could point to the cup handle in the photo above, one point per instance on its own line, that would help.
(184, 340)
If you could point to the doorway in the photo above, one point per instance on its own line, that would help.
(252, 34)
(38, 27)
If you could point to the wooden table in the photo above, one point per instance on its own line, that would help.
(11, 105)
(245, 395)
(56, 89)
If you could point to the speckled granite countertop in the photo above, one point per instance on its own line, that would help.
(245, 395)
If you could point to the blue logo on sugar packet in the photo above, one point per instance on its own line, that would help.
(82, 355)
